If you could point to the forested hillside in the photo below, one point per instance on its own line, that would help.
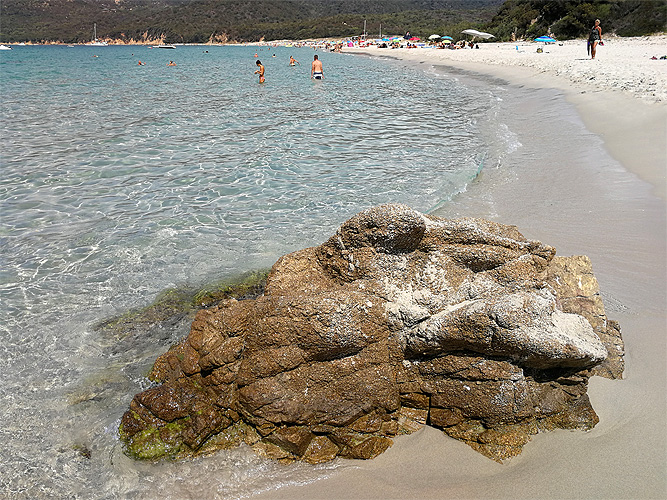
(197, 21)
(573, 18)
(200, 21)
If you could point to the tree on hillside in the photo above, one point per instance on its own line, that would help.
(574, 18)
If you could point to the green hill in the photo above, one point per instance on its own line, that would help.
(574, 18)
(197, 21)
(200, 21)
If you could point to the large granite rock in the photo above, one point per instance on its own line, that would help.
(399, 320)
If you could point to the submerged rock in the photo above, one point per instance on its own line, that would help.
(399, 320)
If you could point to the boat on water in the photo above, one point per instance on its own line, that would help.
(164, 46)
(95, 42)
(5, 47)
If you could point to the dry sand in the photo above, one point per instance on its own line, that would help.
(621, 64)
(608, 213)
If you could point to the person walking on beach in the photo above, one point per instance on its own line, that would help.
(594, 38)
(260, 71)
(316, 70)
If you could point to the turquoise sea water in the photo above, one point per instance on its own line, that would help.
(120, 181)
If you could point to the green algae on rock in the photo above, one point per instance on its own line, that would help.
(175, 303)
(399, 320)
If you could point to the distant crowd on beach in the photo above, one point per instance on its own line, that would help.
(461, 44)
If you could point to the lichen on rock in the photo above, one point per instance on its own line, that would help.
(399, 320)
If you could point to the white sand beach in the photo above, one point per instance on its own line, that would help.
(623, 64)
(613, 211)
(621, 95)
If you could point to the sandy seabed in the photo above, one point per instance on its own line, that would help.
(616, 216)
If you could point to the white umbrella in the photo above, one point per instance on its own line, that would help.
(433, 37)
(480, 34)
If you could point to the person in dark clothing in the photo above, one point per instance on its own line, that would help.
(594, 38)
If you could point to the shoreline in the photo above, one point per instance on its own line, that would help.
(605, 211)
(615, 93)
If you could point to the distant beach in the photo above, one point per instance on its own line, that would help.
(600, 192)
(622, 95)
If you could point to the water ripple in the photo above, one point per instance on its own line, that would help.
(122, 180)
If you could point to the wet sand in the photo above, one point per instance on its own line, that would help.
(613, 212)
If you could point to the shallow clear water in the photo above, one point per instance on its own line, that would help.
(119, 181)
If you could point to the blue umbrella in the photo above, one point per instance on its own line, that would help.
(545, 39)
(447, 38)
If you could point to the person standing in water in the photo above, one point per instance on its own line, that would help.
(260, 71)
(293, 61)
(316, 70)
(594, 38)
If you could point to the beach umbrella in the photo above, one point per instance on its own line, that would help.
(445, 37)
(545, 39)
(414, 39)
(434, 37)
(479, 34)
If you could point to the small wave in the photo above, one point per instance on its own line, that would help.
(463, 185)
